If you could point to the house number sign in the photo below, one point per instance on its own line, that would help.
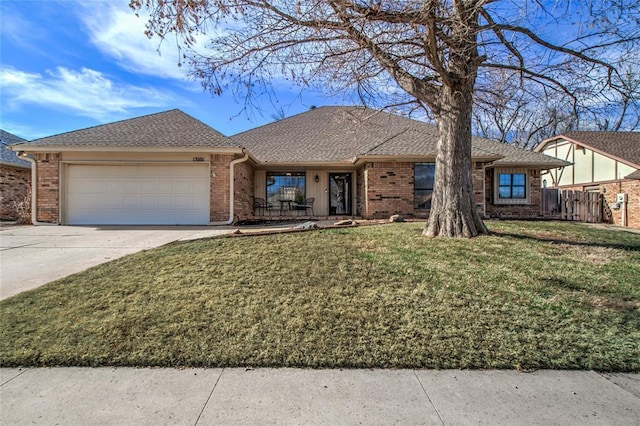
(198, 158)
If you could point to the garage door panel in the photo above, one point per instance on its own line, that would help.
(200, 203)
(166, 202)
(201, 187)
(89, 201)
(137, 194)
(86, 185)
(183, 186)
(113, 186)
(113, 202)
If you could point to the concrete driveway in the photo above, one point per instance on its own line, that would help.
(31, 256)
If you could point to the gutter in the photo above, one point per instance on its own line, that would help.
(34, 198)
(18, 166)
(232, 190)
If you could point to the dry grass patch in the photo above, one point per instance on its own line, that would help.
(378, 296)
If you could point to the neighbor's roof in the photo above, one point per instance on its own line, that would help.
(169, 129)
(340, 134)
(623, 145)
(513, 156)
(6, 155)
(634, 175)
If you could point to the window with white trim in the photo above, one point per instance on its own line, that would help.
(512, 186)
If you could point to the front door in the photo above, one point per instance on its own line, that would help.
(340, 194)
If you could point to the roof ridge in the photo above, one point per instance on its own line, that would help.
(294, 116)
(198, 120)
(10, 135)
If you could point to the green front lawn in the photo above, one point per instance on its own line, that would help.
(533, 295)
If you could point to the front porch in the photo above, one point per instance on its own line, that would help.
(291, 216)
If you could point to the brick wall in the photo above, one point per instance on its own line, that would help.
(361, 185)
(477, 178)
(389, 189)
(14, 188)
(632, 189)
(220, 187)
(243, 188)
(610, 190)
(48, 187)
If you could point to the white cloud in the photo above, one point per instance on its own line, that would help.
(86, 92)
(118, 32)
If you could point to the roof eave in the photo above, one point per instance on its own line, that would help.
(66, 148)
(416, 157)
(635, 175)
(302, 164)
(10, 164)
(542, 144)
(530, 164)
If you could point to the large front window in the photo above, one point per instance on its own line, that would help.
(284, 188)
(423, 179)
(512, 185)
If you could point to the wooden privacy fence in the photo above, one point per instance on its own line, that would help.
(579, 206)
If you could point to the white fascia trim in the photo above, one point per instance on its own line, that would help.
(18, 166)
(412, 158)
(131, 162)
(536, 166)
(151, 149)
(281, 166)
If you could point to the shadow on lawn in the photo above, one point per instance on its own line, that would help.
(626, 246)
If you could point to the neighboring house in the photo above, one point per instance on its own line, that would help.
(15, 177)
(169, 168)
(605, 162)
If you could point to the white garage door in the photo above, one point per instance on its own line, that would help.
(141, 194)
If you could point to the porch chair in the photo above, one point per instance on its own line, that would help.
(260, 205)
(306, 206)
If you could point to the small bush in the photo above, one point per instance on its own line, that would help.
(22, 207)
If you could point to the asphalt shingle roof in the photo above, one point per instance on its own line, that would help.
(624, 145)
(325, 134)
(6, 155)
(337, 134)
(172, 129)
(514, 156)
(634, 175)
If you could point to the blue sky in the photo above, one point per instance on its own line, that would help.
(67, 65)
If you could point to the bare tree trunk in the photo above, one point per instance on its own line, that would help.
(453, 207)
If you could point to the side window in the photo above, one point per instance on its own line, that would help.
(423, 179)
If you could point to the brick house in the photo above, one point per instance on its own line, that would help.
(367, 163)
(604, 162)
(169, 168)
(159, 169)
(15, 177)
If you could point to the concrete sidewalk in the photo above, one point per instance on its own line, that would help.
(121, 396)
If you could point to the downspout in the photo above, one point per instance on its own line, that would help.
(484, 188)
(232, 190)
(34, 198)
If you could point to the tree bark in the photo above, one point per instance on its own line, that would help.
(453, 206)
